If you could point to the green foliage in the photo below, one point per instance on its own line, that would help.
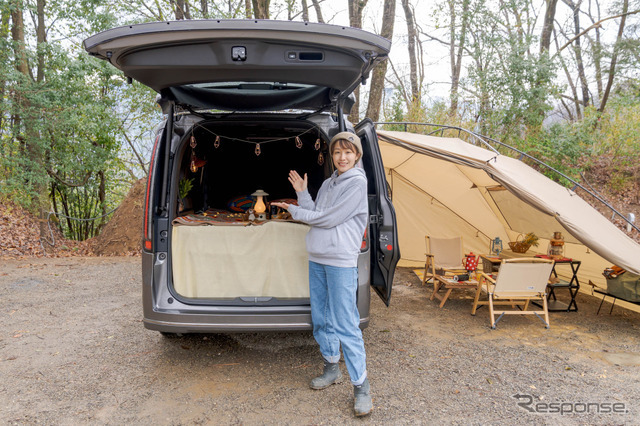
(62, 132)
(184, 187)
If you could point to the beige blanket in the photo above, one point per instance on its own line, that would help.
(240, 261)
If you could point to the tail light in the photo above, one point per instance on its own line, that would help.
(147, 242)
(365, 241)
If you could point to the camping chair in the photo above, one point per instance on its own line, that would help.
(518, 282)
(444, 255)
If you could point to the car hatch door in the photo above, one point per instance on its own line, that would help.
(271, 64)
(385, 252)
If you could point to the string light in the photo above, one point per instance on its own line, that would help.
(258, 149)
(193, 145)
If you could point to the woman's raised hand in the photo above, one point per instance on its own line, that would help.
(299, 184)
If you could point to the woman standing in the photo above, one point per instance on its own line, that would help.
(338, 219)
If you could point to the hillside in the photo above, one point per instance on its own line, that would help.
(121, 236)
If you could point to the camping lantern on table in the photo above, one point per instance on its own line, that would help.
(259, 207)
(496, 246)
(556, 246)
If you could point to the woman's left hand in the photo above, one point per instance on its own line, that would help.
(281, 205)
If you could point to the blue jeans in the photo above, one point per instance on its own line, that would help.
(335, 317)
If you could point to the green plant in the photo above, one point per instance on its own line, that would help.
(530, 239)
(184, 187)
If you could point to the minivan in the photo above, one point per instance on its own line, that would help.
(244, 102)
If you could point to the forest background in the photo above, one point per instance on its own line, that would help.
(557, 79)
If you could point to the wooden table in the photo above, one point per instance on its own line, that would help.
(447, 283)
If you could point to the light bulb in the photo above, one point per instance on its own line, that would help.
(260, 207)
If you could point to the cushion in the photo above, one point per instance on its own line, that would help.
(241, 203)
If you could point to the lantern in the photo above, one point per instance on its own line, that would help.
(496, 246)
(259, 207)
(556, 246)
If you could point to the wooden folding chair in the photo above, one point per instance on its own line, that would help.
(444, 255)
(519, 281)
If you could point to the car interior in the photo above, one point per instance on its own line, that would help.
(222, 248)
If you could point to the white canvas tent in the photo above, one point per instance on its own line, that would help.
(446, 187)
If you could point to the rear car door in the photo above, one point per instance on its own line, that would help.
(383, 237)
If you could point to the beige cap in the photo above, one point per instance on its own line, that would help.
(349, 137)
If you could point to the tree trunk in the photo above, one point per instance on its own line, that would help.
(355, 20)
(578, 52)
(377, 79)
(41, 37)
(614, 58)
(204, 8)
(31, 140)
(177, 10)
(17, 32)
(4, 34)
(547, 26)
(596, 52)
(181, 8)
(574, 90)
(261, 9)
(455, 56)
(316, 6)
(102, 195)
(305, 10)
(411, 44)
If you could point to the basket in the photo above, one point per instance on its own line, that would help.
(518, 246)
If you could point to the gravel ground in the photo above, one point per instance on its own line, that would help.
(73, 351)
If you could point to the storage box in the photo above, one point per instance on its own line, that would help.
(625, 286)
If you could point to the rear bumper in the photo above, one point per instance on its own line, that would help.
(163, 312)
(182, 323)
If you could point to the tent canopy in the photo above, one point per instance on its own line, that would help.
(446, 187)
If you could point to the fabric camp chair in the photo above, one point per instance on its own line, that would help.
(519, 281)
(444, 255)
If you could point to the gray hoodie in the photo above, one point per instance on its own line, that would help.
(338, 218)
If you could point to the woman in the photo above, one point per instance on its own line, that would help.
(338, 219)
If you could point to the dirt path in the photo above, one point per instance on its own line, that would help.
(73, 351)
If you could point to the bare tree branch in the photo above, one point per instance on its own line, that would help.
(66, 183)
(595, 25)
(614, 58)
